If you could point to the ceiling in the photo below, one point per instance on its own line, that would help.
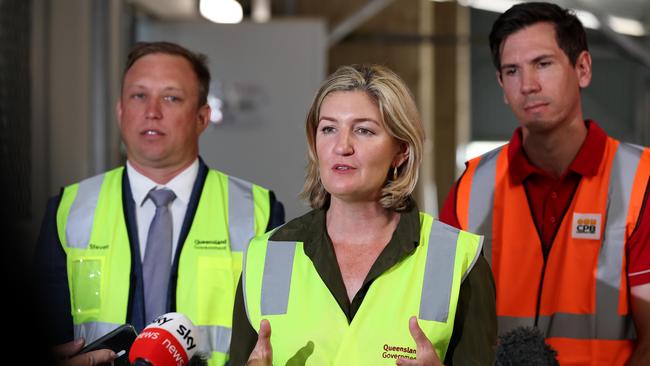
(636, 9)
(188, 9)
(169, 9)
(637, 47)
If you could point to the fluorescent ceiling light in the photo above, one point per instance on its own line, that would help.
(497, 6)
(587, 19)
(221, 11)
(631, 27)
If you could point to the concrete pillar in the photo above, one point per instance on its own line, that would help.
(75, 83)
(426, 191)
(69, 96)
(451, 91)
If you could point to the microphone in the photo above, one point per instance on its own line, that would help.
(524, 346)
(170, 340)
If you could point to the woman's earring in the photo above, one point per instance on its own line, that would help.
(394, 173)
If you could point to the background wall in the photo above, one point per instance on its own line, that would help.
(267, 74)
(61, 65)
(618, 89)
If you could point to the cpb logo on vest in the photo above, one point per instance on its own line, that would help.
(586, 226)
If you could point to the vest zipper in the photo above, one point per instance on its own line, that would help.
(539, 293)
(546, 250)
(545, 254)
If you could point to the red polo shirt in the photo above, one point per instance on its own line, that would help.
(549, 198)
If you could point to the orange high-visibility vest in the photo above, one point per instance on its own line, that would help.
(578, 297)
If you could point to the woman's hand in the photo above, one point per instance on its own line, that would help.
(66, 351)
(262, 354)
(426, 354)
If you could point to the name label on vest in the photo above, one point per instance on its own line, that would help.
(218, 244)
(586, 226)
(98, 246)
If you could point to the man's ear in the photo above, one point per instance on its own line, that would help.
(118, 112)
(203, 118)
(583, 69)
(500, 81)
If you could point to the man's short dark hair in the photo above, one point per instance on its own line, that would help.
(569, 32)
(198, 62)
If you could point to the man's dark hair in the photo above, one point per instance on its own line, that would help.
(198, 62)
(569, 33)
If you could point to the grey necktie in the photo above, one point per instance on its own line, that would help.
(158, 255)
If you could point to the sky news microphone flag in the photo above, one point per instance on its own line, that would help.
(171, 340)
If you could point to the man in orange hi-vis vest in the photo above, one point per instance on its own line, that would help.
(564, 208)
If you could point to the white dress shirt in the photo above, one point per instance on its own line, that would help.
(145, 209)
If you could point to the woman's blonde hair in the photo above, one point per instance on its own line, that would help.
(399, 117)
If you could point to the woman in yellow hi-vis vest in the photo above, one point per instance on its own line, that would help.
(364, 278)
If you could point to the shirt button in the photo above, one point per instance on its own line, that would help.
(552, 219)
(553, 195)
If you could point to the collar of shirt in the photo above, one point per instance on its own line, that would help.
(311, 230)
(585, 163)
(181, 184)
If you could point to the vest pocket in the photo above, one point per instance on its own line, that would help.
(86, 285)
(215, 289)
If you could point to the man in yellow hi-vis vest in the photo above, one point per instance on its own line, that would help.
(165, 232)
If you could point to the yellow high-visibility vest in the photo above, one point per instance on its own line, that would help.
(93, 233)
(281, 284)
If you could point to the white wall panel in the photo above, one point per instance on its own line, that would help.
(270, 73)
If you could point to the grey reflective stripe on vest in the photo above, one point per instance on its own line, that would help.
(82, 212)
(610, 259)
(438, 273)
(437, 282)
(565, 325)
(214, 339)
(276, 280)
(241, 213)
(576, 326)
(606, 323)
(508, 323)
(481, 199)
(93, 330)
